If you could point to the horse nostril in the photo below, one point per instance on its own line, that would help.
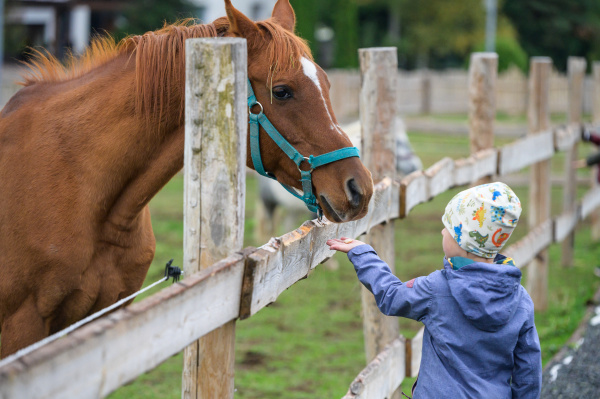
(353, 192)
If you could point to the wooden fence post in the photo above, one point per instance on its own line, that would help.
(576, 71)
(378, 105)
(596, 122)
(538, 117)
(483, 75)
(425, 92)
(216, 123)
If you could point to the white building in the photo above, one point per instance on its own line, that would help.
(55, 23)
(257, 10)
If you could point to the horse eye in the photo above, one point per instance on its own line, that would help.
(282, 92)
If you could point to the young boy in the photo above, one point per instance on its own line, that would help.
(480, 339)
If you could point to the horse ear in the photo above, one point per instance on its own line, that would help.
(284, 14)
(239, 24)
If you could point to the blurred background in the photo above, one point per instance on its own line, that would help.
(431, 35)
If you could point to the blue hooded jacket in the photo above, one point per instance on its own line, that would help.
(480, 339)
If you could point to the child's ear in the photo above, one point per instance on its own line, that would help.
(239, 24)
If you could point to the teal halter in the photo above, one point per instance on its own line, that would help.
(313, 161)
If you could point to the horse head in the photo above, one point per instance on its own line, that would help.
(293, 92)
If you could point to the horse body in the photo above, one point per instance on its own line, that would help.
(80, 229)
(82, 154)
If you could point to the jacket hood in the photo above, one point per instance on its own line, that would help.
(488, 294)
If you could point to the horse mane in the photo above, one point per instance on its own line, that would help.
(160, 60)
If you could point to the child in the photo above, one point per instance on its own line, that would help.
(480, 339)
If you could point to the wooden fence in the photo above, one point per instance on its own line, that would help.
(237, 283)
(446, 92)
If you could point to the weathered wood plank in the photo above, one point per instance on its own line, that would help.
(378, 116)
(107, 353)
(464, 170)
(216, 126)
(566, 136)
(441, 177)
(416, 344)
(483, 75)
(413, 191)
(382, 375)
(526, 151)
(565, 223)
(378, 103)
(525, 250)
(538, 116)
(576, 73)
(590, 201)
(285, 260)
(486, 164)
(595, 220)
(481, 164)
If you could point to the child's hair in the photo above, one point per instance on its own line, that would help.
(482, 218)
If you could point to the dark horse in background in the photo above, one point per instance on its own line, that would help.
(84, 147)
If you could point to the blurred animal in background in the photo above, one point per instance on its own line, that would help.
(279, 212)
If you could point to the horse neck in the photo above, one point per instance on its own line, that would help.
(93, 123)
(150, 143)
(159, 103)
(139, 153)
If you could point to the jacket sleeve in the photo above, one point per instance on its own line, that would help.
(593, 159)
(393, 297)
(527, 371)
(595, 138)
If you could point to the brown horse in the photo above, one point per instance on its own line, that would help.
(84, 147)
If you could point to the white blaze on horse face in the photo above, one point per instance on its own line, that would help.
(310, 70)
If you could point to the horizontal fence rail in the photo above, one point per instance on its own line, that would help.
(108, 353)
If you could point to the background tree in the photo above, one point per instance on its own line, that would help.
(141, 16)
(437, 33)
(557, 28)
(341, 51)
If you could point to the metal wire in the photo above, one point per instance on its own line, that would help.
(75, 326)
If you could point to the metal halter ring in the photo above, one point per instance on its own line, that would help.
(256, 103)
(307, 159)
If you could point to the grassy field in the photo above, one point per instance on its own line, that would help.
(309, 344)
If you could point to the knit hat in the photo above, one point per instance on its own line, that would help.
(482, 218)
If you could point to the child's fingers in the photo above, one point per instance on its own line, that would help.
(339, 247)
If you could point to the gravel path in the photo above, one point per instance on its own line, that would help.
(577, 373)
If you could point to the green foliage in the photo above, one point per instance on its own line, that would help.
(141, 16)
(435, 32)
(342, 17)
(556, 28)
(307, 17)
(16, 42)
(510, 53)
(346, 34)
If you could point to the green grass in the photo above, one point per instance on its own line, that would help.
(309, 344)
(502, 117)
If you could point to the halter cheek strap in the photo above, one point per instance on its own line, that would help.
(313, 161)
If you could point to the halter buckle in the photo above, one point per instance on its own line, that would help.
(307, 159)
(261, 109)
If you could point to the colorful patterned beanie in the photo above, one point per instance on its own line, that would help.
(482, 218)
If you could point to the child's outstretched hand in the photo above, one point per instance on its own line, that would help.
(343, 244)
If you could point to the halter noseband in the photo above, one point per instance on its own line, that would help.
(313, 161)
